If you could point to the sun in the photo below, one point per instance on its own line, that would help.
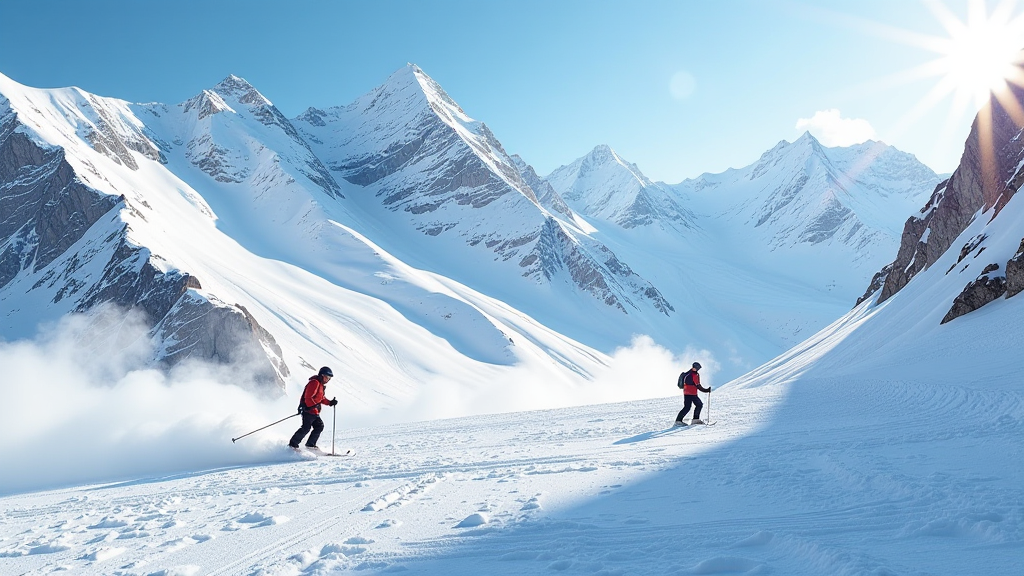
(975, 60)
(980, 56)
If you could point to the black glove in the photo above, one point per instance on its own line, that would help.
(333, 402)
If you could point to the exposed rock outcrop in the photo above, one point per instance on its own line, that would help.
(556, 251)
(52, 226)
(203, 328)
(1015, 273)
(44, 207)
(546, 194)
(985, 289)
(988, 176)
(876, 283)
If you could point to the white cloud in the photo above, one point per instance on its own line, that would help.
(831, 129)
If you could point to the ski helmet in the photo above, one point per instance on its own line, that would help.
(325, 371)
(696, 365)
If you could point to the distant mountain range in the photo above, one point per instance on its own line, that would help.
(395, 239)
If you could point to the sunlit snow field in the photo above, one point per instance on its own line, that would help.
(834, 460)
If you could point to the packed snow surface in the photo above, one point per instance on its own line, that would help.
(905, 461)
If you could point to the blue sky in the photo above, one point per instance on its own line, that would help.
(679, 88)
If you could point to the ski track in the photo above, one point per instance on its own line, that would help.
(789, 482)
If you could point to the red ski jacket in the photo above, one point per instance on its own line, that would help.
(313, 395)
(690, 384)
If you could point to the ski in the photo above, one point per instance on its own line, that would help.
(313, 454)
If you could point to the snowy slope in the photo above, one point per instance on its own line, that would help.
(438, 190)
(757, 258)
(888, 443)
(287, 236)
(237, 208)
(818, 465)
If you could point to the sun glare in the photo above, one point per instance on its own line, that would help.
(977, 57)
(980, 55)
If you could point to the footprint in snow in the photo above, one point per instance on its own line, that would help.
(48, 548)
(108, 522)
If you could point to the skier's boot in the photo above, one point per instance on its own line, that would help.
(679, 423)
(315, 450)
(696, 421)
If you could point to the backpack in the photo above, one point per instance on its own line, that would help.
(682, 379)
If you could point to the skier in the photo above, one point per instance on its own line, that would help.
(309, 406)
(690, 381)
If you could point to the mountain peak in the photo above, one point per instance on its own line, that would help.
(410, 81)
(603, 153)
(807, 144)
(239, 89)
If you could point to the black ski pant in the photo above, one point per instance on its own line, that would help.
(690, 400)
(309, 420)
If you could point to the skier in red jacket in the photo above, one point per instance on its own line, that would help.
(309, 406)
(690, 381)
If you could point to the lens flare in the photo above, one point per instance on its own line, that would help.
(981, 55)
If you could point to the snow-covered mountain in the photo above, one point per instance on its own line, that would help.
(769, 253)
(889, 442)
(604, 186)
(215, 221)
(396, 239)
(78, 227)
(851, 199)
(443, 193)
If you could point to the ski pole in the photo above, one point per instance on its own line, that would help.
(709, 404)
(334, 427)
(258, 429)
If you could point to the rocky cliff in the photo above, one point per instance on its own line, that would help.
(65, 242)
(991, 171)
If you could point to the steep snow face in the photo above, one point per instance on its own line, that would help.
(603, 185)
(237, 245)
(446, 193)
(547, 196)
(260, 165)
(403, 136)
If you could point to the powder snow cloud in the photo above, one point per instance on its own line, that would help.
(83, 389)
